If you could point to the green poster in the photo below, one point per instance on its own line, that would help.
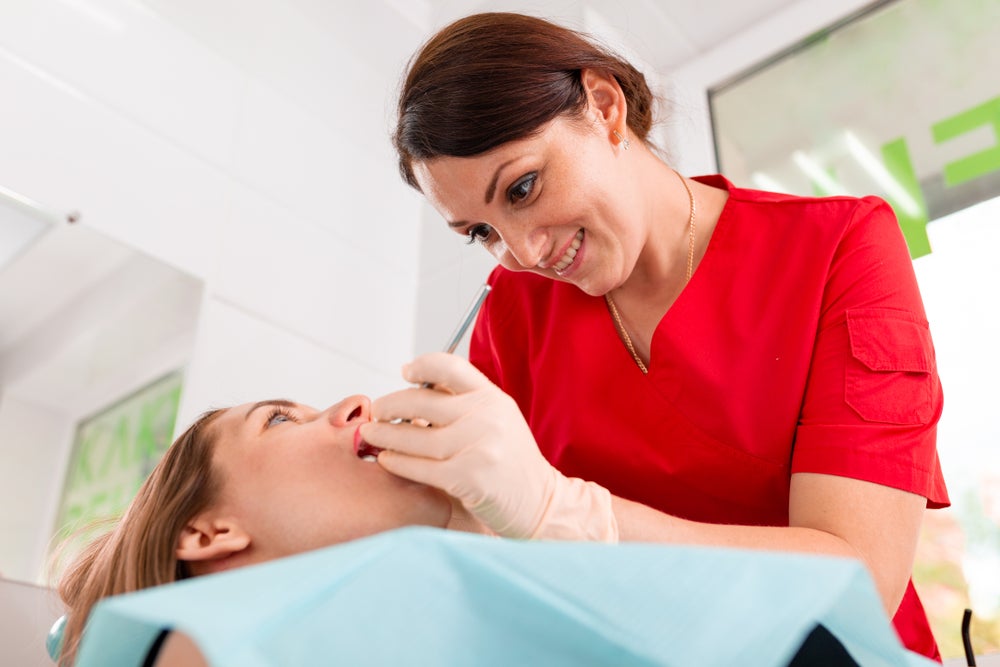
(113, 452)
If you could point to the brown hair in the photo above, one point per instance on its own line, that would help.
(140, 551)
(491, 78)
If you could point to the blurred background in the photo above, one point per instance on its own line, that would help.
(200, 206)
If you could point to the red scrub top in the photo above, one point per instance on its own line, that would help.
(799, 345)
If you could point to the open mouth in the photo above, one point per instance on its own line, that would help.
(363, 450)
(569, 256)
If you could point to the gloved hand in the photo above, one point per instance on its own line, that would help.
(479, 449)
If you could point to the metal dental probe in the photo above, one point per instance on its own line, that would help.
(467, 319)
(456, 337)
(463, 324)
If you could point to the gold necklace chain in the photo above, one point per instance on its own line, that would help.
(690, 269)
(624, 334)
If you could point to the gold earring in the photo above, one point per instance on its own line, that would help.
(623, 140)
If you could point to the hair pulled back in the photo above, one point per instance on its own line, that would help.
(491, 78)
(140, 551)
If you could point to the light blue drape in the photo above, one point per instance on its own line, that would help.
(428, 596)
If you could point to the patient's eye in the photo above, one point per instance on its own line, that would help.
(279, 415)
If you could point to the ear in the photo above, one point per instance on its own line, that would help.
(606, 102)
(208, 537)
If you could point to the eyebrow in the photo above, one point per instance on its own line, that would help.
(490, 192)
(274, 401)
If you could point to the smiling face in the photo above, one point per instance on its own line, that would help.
(290, 476)
(551, 204)
(562, 203)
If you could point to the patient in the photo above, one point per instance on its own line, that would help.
(244, 485)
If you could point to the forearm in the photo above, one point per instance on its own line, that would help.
(639, 523)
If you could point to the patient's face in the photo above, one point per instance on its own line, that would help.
(290, 473)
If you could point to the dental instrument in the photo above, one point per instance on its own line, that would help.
(365, 451)
(463, 324)
(467, 319)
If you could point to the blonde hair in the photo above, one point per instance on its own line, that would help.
(140, 551)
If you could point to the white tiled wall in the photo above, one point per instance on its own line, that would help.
(72, 152)
(245, 143)
(121, 56)
(451, 271)
(259, 359)
(36, 455)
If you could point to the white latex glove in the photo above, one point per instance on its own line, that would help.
(479, 449)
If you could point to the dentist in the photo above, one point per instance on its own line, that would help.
(661, 358)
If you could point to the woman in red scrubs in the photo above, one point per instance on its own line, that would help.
(697, 362)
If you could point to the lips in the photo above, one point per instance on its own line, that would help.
(362, 449)
(566, 261)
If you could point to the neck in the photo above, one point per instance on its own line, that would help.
(661, 266)
(661, 260)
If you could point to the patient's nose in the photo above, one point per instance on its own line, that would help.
(352, 409)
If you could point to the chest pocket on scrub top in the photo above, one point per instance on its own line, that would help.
(890, 375)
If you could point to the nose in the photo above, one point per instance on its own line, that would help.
(353, 409)
(526, 246)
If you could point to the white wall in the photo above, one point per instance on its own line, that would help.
(243, 143)
(254, 157)
(32, 447)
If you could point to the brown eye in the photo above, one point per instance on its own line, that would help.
(521, 190)
(479, 233)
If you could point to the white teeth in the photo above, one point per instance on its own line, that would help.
(370, 458)
(570, 254)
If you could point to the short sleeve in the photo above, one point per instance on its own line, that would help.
(873, 397)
